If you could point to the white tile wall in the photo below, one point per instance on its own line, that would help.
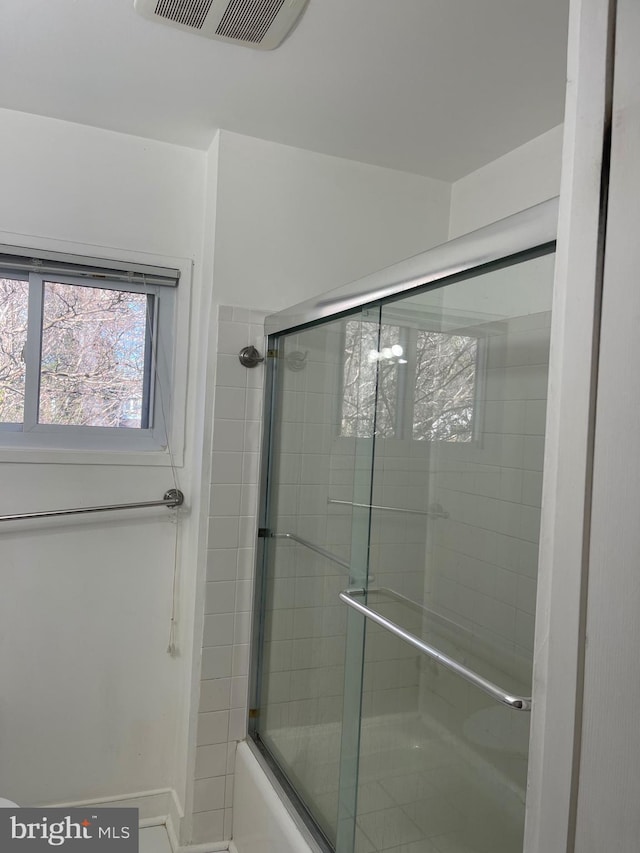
(482, 565)
(492, 491)
(230, 557)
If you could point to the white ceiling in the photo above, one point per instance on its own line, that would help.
(436, 87)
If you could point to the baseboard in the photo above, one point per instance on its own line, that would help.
(146, 822)
(156, 808)
(153, 806)
(175, 816)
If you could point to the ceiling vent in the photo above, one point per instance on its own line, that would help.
(262, 24)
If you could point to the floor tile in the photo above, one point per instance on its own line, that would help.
(389, 827)
(154, 839)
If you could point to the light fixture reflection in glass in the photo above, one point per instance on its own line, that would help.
(392, 353)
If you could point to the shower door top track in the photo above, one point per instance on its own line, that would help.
(526, 231)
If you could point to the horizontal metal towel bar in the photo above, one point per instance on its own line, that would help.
(435, 512)
(306, 544)
(518, 703)
(172, 498)
(442, 621)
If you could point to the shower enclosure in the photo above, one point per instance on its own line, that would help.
(395, 599)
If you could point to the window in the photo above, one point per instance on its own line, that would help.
(425, 383)
(84, 359)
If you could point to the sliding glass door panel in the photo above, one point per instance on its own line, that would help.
(321, 445)
(453, 556)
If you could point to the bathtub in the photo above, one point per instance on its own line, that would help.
(262, 823)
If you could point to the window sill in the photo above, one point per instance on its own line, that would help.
(65, 456)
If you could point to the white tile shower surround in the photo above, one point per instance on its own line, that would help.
(485, 554)
(306, 646)
(480, 560)
(230, 556)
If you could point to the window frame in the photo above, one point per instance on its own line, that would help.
(159, 444)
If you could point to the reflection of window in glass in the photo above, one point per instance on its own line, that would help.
(445, 386)
(362, 374)
(424, 383)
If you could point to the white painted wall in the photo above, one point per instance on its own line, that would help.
(70, 182)
(91, 702)
(292, 224)
(192, 614)
(525, 176)
(609, 770)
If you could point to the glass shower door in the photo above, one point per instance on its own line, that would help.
(396, 600)
(455, 510)
(308, 687)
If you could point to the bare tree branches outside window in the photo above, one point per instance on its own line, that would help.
(364, 379)
(14, 299)
(93, 356)
(444, 393)
(439, 399)
(94, 361)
